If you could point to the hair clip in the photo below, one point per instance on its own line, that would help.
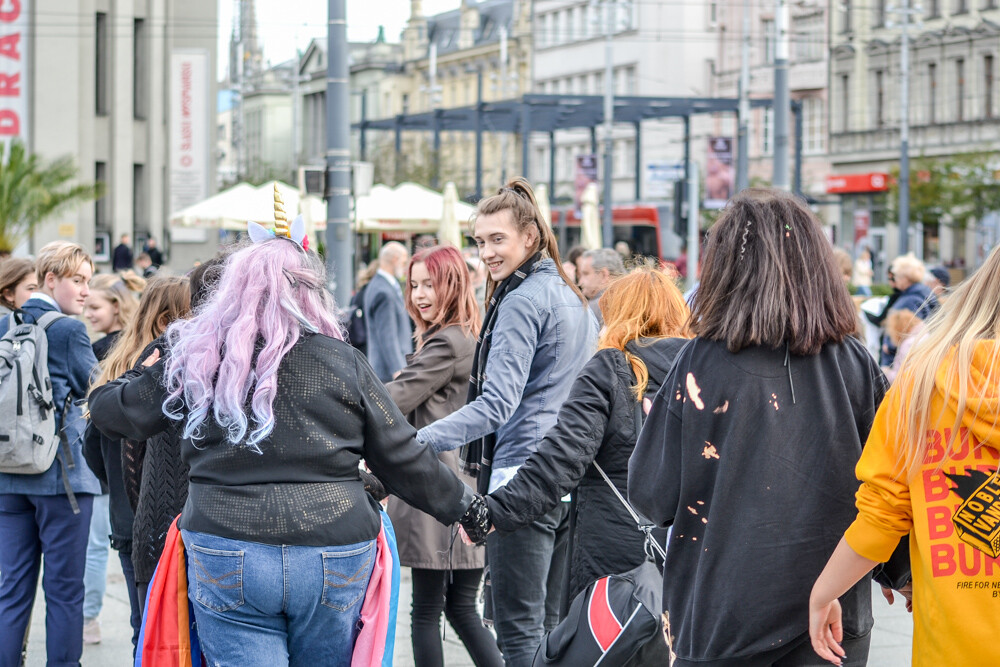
(746, 232)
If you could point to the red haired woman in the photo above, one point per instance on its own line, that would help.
(446, 573)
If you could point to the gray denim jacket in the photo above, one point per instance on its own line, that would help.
(542, 338)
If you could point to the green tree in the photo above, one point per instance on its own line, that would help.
(32, 190)
(957, 187)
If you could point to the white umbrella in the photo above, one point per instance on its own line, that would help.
(449, 231)
(542, 197)
(590, 224)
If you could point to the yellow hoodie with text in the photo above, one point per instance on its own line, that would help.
(951, 510)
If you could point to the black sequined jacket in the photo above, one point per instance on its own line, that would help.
(303, 487)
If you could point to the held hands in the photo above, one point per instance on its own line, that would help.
(476, 523)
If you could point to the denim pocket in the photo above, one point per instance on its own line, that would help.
(218, 576)
(345, 576)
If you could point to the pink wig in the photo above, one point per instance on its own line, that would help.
(226, 357)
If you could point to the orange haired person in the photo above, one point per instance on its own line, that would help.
(645, 325)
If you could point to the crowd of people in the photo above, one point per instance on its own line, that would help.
(784, 439)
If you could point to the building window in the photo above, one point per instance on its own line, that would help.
(989, 4)
(101, 64)
(630, 80)
(809, 38)
(767, 29)
(139, 73)
(570, 25)
(879, 98)
(934, 7)
(845, 102)
(988, 86)
(961, 7)
(880, 13)
(139, 197)
(845, 24)
(812, 110)
(101, 205)
(960, 89)
(542, 33)
(582, 31)
(932, 93)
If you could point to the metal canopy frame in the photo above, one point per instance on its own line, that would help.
(548, 113)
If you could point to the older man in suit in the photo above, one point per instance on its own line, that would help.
(390, 337)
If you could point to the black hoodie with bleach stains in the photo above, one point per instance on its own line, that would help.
(751, 456)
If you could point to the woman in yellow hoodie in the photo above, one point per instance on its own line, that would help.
(930, 469)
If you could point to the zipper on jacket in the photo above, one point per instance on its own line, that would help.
(20, 407)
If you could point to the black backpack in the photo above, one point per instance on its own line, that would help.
(357, 332)
(616, 620)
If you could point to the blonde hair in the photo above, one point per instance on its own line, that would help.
(971, 315)
(909, 267)
(61, 258)
(165, 299)
(900, 323)
(120, 291)
(642, 304)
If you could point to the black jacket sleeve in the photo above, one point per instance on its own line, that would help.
(92, 454)
(408, 468)
(654, 471)
(564, 455)
(131, 406)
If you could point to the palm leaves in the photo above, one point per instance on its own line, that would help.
(32, 190)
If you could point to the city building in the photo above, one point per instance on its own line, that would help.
(478, 52)
(127, 89)
(807, 77)
(659, 49)
(267, 101)
(953, 109)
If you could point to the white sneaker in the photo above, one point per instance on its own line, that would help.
(91, 631)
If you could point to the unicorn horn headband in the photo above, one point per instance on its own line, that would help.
(294, 231)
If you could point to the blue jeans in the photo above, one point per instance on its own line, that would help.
(527, 567)
(267, 605)
(95, 577)
(135, 616)
(32, 527)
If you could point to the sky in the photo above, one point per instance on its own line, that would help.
(285, 26)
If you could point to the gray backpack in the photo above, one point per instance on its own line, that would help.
(28, 438)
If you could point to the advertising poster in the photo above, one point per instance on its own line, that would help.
(189, 129)
(586, 173)
(719, 175)
(15, 82)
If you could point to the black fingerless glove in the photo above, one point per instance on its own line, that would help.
(477, 521)
(373, 486)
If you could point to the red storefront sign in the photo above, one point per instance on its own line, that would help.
(847, 183)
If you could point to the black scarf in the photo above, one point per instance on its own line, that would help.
(477, 456)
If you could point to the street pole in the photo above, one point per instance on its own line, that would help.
(742, 157)
(781, 102)
(693, 231)
(503, 96)
(607, 227)
(339, 239)
(904, 135)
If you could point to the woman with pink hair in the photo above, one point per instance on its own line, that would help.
(277, 412)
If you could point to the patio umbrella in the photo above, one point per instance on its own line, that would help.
(590, 224)
(542, 197)
(449, 231)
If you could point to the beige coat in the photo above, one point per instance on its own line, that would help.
(434, 384)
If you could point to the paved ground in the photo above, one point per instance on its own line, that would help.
(890, 641)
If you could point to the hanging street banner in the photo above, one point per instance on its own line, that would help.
(189, 129)
(15, 80)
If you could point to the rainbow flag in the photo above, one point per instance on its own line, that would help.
(377, 638)
(168, 637)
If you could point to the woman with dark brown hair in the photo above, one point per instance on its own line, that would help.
(750, 447)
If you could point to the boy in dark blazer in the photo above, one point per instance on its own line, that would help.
(36, 516)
